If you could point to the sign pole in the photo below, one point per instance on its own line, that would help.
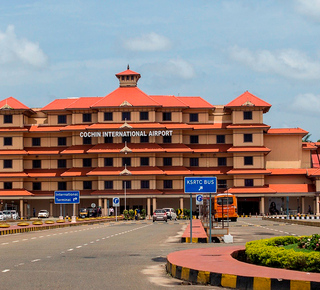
(116, 214)
(210, 217)
(190, 217)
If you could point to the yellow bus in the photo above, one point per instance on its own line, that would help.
(225, 206)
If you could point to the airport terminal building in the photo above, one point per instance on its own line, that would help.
(139, 147)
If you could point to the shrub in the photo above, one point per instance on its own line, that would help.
(126, 214)
(271, 253)
(143, 213)
(310, 243)
(131, 214)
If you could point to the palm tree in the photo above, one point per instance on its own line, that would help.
(306, 138)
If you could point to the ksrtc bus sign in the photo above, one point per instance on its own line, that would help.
(200, 184)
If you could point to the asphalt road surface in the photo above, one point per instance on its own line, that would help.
(123, 255)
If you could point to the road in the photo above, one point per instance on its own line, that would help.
(119, 255)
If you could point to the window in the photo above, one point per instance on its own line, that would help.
(194, 161)
(108, 116)
(7, 119)
(126, 184)
(222, 183)
(62, 163)
(36, 141)
(221, 139)
(145, 184)
(248, 182)
(222, 161)
(247, 115)
(126, 161)
(7, 141)
(108, 184)
(144, 139)
(144, 116)
(36, 185)
(62, 119)
(86, 162)
(62, 185)
(166, 116)
(108, 161)
(167, 184)
(7, 163)
(36, 163)
(62, 141)
(193, 117)
(126, 139)
(167, 139)
(126, 116)
(7, 185)
(87, 184)
(144, 161)
(247, 137)
(86, 140)
(167, 161)
(108, 140)
(194, 139)
(86, 117)
(248, 160)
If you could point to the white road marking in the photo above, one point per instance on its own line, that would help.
(78, 247)
(15, 241)
(6, 270)
(69, 250)
(5, 244)
(33, 238)
(35, 260)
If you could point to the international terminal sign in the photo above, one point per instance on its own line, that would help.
(67, 197)
(131, 133)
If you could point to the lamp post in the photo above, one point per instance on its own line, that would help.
(125, 195)
(228, 206)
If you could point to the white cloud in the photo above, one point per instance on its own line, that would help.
(173, 68)
(310, 8)
(289, 63)
(308, 103)
(148, 42)
(19, 50)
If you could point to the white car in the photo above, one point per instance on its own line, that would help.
(1, 216)
(171, 213)
(43, 213)
(6, 214)
(14, 215)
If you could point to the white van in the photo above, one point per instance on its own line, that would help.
(171, 213)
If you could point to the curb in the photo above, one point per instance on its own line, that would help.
(194, 240)
(297, 222)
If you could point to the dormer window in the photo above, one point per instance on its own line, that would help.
(7, 119)
(247, 115)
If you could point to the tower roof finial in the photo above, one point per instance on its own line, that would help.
(128, 67)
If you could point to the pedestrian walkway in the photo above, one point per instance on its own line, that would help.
(217, 267)
(199, 235)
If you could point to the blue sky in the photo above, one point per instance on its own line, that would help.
(213, 49)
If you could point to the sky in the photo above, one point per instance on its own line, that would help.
(213, 49)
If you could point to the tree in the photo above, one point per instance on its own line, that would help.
(306, 138)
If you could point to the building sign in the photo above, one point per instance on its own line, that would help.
(131, 133)
(67, 197)
(200, 184)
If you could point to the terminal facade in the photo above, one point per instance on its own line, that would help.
(139, 147)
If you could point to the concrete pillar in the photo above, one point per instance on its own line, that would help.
(105, 207)
(25, 204)
(100, 202)
(21, 208)
(262, 205)
(317, 205)
(154, 203)
(181, 203)
(148, 208)
(303, 204)
(51, 208)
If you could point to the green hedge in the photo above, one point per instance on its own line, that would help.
(271, 253)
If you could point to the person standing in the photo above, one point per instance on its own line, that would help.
(34, 212)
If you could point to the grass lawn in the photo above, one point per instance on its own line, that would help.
(296, 248)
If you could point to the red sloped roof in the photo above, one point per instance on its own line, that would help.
(139, 192)
(74, 127)
(76, 171)
(251, 190)
(15, 192)
(135, 147)
(83, 103)
(248, 126)
(171, 126)
(12, 174)
(13, 103)
(248, 171)
(132, 95)
(13, 152)
(13, 129)
(292, 187)
(169, 101)
(108, 126)
(288, 171)
(45, 150)
(141, 170)
(315, 160)
(209, 126)
(239, 149)
(196, 102)
(58, 104)
(175, 148)
(175, 170)
(248, 99)
(76, 149)
(37, 128)
(44, 172)
(286, 131)
(209, 170)
(309, 145)
(127, 72)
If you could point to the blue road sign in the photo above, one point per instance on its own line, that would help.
(200, 184)
(116, 201)
(67, 197)
(199, 199)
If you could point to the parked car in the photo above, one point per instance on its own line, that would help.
(160, 215)
(1, 216)
(171, 213)
(14, 214)
(43, 213)
(6, 214)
